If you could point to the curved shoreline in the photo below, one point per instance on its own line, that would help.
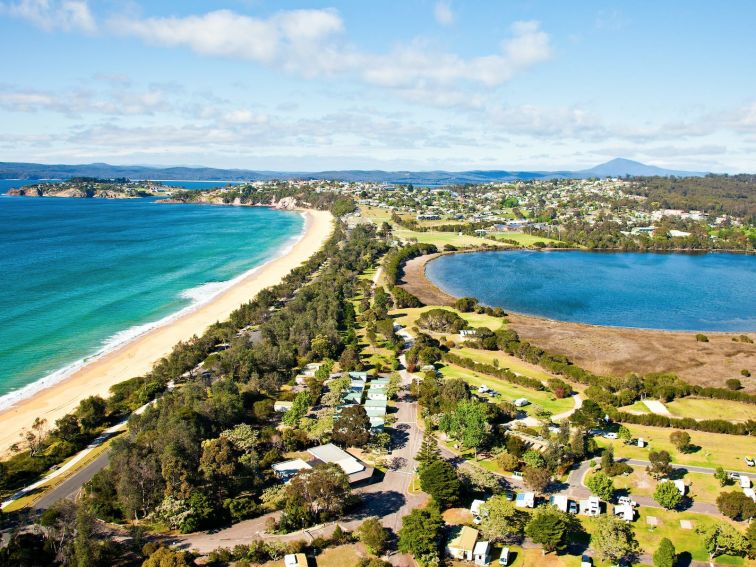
(615, 351)
(97, 373)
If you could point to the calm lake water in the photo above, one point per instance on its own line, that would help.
(707, 292)
(81, 276)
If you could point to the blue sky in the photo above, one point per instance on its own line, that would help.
(413, 84)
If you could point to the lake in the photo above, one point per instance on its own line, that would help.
(693, 292)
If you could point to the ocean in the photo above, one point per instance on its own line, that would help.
(82, 276)
(671, 291)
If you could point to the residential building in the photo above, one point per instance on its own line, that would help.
(591, 506)
(525, 500)
(462, 545)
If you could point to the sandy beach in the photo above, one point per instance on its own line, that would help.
(137, 356)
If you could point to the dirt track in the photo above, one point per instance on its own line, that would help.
(618, 351)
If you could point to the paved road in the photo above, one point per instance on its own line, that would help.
(70, 487)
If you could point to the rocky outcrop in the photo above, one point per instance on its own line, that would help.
(25, 192)
(287, 203)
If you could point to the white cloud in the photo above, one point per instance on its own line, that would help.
(68, 15)
(443, 13)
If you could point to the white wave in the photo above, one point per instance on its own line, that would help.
(198, 296)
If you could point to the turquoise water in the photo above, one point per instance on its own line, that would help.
(80, 276)
(706, 292)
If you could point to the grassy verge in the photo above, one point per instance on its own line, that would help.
(505, 361)
(711, 409)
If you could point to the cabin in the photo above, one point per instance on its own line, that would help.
(591, 506)
(286, 470)
(625, 511)
(355, 470)
(560, 502)
(482, 553)
(282, 406)
(462, 546)
(525, 500)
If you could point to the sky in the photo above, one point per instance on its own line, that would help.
(410, 84)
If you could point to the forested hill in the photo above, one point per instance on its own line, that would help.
(614, 168)
(728, 194)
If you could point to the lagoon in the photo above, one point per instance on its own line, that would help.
(672, 291)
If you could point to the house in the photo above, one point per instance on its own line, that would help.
(678, 233)
(475, 507)
(745, 481)
(560, 502)
(288, 469)
(463, 545)
(521, 402)
(362, 376)
(467, 333)
(591, 506)
(282, 406)
(353, 468)
(378, 383)
(625, 511)
(482, 553)
(311, 368)
(295, 560)
(376, 395)
(525, 500)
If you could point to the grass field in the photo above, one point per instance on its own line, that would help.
(509, 392)
(703, 487)
(711, 409)
(408, 318)
(716, 449)
(505, 361)
(521, 238)
(637, 407)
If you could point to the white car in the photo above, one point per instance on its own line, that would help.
(749, 461)
(610, 435)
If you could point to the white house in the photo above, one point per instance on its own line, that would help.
(330, 453)
(525, 500)
(625, 511)
(591, 506)
(482, 553)
(287, 469)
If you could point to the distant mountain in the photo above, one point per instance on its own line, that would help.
(615, 168)
(620, 167)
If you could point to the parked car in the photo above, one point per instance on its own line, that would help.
(504, 557)
(610, 435)
(733, 476)
(572, 507)
(749, 461)
(517, 474)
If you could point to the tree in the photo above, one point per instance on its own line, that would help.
(734, 383)
(736, 505)
(164, 557)
(299, 408)
(468, 423)
(551, 528)
(751, 539)
(429, 451)
(625, 434)
(534, 459)
(665, 555)
(91, 412)
(601, 485)
(439, 479)
(721, 475)
(667, 495)
(660, 464)
(681, 440)
(613, 539)
(352, 427)
(501, 521)
(722, 538)
(219, 465)
(537, 479)
(420, 534)
(373, 535)
(324, 489)
(589, 415)
(508, 461)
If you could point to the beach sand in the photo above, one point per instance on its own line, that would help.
(138, 356)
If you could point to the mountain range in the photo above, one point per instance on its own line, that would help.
(618, 167)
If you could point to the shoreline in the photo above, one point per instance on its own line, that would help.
(94, 375)
(615, 351)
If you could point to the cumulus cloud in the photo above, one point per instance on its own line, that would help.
(443, 13)
(68, 15)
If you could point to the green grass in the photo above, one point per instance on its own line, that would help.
(711, 409)
(509, 392)
(703, 487)
(717, 449)
(408, 318)
(637, 407)
(505, 361)
(521, 238)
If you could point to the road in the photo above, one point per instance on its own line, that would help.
(71, 486)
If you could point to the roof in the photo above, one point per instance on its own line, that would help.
(330, 453)
(375, 403)
(466, 539)
(375, 411)
(481, 548)
(745, 481)
(475, 506)
(295, 560)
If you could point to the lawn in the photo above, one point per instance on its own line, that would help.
(505, 361)
(441, 238)
(711, 409)
(637, 407)
(703, 487)
(408, 318)
(509, 392)
(716, 449)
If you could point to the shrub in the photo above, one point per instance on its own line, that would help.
(701, 338)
